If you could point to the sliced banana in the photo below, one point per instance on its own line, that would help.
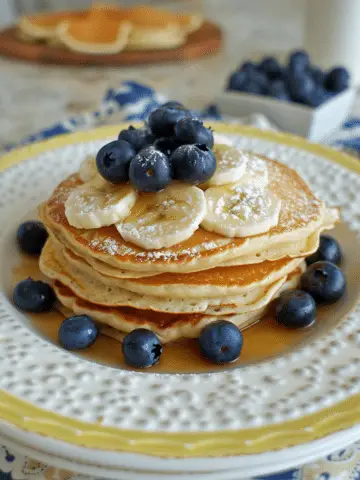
(230, 165)
(240, 210)
(90, 206)
(256, 172)
(163, 219)
(88, 169)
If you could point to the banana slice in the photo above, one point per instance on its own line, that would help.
(90, 207)
(240, 210)
(163, 219)
(88, 170)
(256, 172)
(230, 165)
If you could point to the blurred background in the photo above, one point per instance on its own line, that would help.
(34, 96)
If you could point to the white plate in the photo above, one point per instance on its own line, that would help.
(67, 408)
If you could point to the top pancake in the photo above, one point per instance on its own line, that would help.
(301, 214)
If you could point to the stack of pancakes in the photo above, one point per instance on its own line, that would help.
(176, 291)
(109, 29)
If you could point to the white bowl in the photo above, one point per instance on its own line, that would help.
(311, 123)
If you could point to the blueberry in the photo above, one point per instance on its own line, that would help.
(193, 164)
(329, 250)
(247, 67)
(137, 137)
(237, 81)
(337, 80)
(295, 309)
(150, 170)
(31, 237)
(166, 145)
(271, 67)
(259, 78)
(113, 161)
(78, 332)
(298, 61)
(301, 87)
(318, 75)
(141, 348)
(173, 103)
(34, 296)
(221, 342)
(278, 89)
(324, 281)
(163, 120)
(190, 131)
(317, 97)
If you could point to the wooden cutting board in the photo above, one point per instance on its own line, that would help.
(205, 41)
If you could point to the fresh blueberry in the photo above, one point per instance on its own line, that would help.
(295, 309)
(150, 170)
(247, 67)
(34, 296)
(317, 97)
(298, 61)
(329, 250)
(163, 120)
(166, 145)
(318, 75)
(190, 131)
(271, 67)
(237, 81)
(31, 237)
(78, 332)
(278, 89)
(301, 87)
(141, 348)
(337, 80)
(173, 103)
(212, 111)
(259, 78)
(324, 281)
(221, 342)
(113, 161)
(193, 164)
(137, 137)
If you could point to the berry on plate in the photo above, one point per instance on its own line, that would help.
(173, 103)
(166, 145)
(163, 120)
(78, 332)
(329, 250)
(34, 296)
(295, 309)
(141, 348)
(137, 137)
(113, 161)
(31, 237)
(221, 342)
(190, 131)
(324, 281)
(150, 170)
(193, 164)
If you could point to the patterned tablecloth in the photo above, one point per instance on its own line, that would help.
(132, 102)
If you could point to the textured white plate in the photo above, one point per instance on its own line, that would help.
(268, 394)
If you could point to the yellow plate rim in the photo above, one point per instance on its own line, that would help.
(26, 416)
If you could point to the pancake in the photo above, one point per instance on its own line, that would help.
(54, 265)
(169, 327)
(301, 215)
(43, 26)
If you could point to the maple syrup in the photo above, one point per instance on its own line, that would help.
(262, 341)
